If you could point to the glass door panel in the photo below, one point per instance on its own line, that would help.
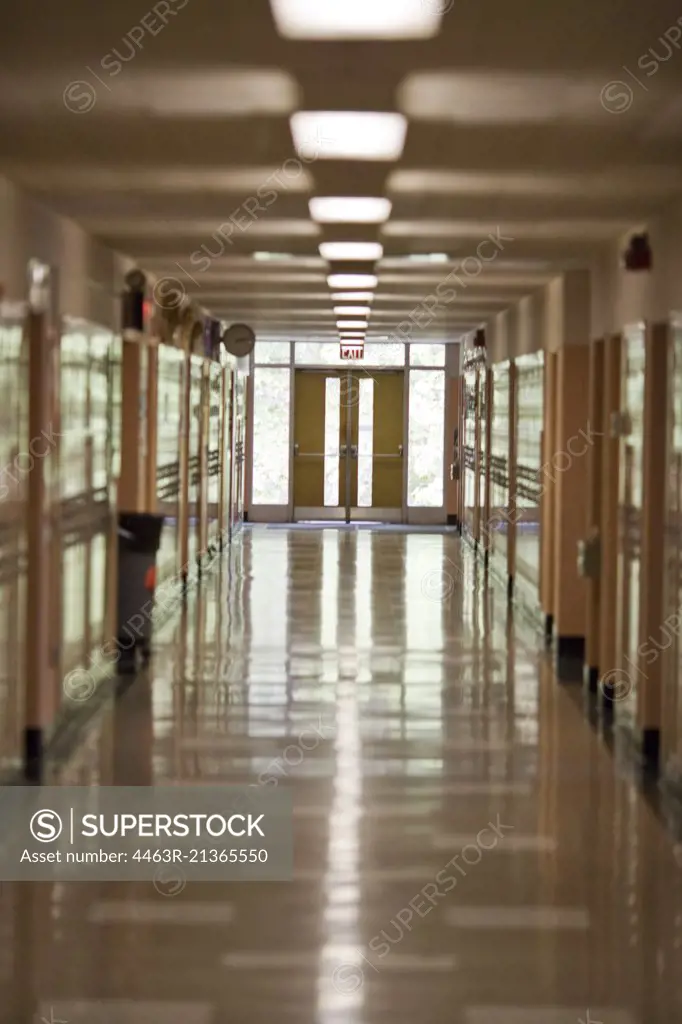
(499, 458)
(365, 442)
(332, 433)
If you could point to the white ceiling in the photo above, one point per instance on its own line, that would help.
(537, 122)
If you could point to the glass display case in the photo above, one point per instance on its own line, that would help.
(14, 466)
(499, 467)
(86, 465)
(671, 733)
(473, 372)
(530, 391)
(214, 461)
(171, 379)
(630, 514)
(194, 468)
(238, 449)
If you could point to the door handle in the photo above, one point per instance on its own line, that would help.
(296, 449)
(343, 451)
(353, 451)
(400, 450)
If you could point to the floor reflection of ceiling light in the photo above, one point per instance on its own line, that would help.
(428, 257)
(358, 19)
(360, 210)
(348, 135)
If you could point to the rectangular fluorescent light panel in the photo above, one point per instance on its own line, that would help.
(352, 334)
(352, 281)
(329, 210)
(271, 257)
(349, 325)
(358, 19)
(353, 296)
(347, 135)
(429, 257)
(351, 250)
(352, 310)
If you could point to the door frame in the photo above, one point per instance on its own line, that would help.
(350, 514)
(284, 513)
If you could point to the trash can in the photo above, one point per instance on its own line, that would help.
(139, 538)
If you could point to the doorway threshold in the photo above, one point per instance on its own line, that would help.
(327, 524)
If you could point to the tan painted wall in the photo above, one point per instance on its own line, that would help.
(620, 297)
(91, 276)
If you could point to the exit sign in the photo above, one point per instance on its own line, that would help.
(352, 351)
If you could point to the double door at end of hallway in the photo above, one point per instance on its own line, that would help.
(348, 445)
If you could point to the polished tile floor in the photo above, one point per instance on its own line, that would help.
(466, 849)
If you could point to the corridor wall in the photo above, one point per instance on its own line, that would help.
(74, 436)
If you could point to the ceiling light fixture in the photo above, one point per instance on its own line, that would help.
(357, 19)
(351, 251)
(352, 281)
(271, 257)
(428, 257)
(347, 135)
(328, 210)
(350, 325)
(353, 296)
(352, 310)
